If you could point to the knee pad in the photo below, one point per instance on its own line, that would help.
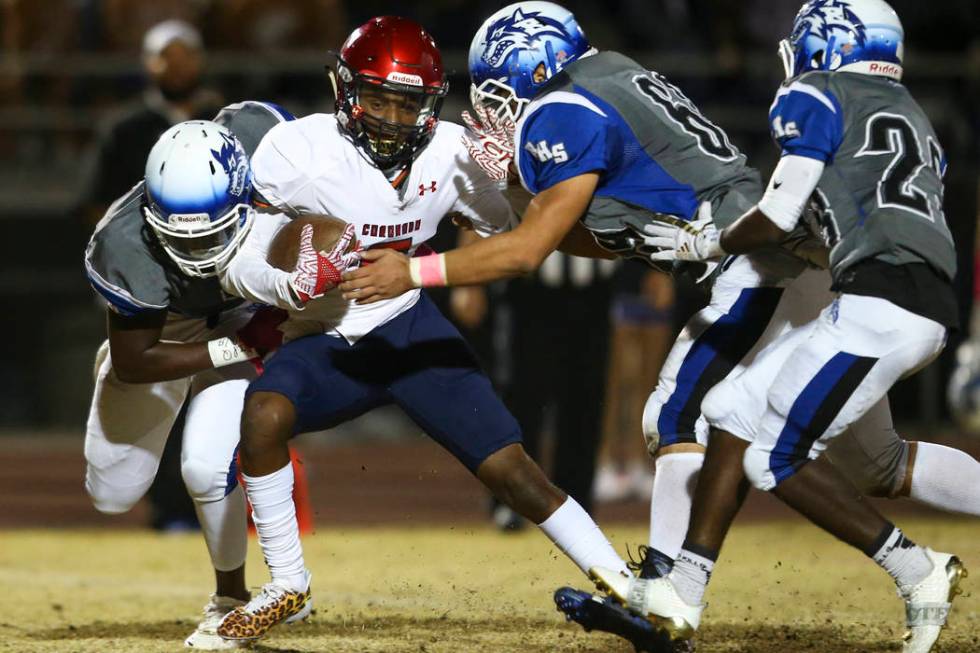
(110, 499)
(651, 416)
(100, 357)
(205, 481)
(716, 405)
(756, 466)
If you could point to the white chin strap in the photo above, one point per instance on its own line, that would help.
(786, 56)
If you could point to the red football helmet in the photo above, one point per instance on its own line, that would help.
(389, 84)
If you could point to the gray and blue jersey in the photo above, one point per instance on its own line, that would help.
(654, 151)
(125, 264)
(881, 193)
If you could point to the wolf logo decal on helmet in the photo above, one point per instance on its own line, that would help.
(520, 29)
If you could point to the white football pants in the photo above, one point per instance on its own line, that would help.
(128, 425)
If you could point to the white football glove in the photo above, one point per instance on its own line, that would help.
(490, 142)
(694, 241)
(317, 272)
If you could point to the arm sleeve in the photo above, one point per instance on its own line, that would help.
(250, 276)
(560, 141)
(807, 121)
(793, 182)
(480, 198)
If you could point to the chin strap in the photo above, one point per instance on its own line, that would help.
(785, 51)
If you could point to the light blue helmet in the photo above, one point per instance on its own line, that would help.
(512, 45)
(862, 36)
(198, 188)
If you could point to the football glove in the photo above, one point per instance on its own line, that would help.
(694, 241)
(490, 142)
(319, 272)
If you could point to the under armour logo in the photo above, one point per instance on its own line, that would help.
(423, 188)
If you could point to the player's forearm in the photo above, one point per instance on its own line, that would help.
(249, 274)
(550, 216)
(792, 183)
(504, 256)
(164, 361)
(255, 280)
(750, 232)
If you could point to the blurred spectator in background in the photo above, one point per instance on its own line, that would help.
(559, 339)
(125, 23)
(173, 59)
(642, 334)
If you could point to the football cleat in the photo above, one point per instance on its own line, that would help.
(274, 605)
(601, 613)
(205, 637)
(655, 599)
(927, 604)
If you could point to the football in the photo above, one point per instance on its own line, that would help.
(284, 248)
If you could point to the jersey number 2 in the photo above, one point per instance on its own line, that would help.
(888, 133)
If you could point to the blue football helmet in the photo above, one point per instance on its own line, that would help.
(862, 36)
(517, 50)
(198, 189)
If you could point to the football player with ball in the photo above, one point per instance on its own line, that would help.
(387, 165)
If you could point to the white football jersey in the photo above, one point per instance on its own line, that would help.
(309, 166)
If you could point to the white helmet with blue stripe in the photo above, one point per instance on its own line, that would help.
(198, 187)
(862, 36)
(517, 50)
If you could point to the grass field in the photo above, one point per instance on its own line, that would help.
(781, 586)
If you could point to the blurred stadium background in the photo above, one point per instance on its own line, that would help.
(73, 71)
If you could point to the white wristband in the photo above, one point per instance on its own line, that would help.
(225, 351)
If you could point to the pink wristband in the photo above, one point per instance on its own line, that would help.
(428, 270)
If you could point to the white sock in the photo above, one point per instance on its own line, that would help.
(574, 532)
(946, 478)
(274, 514)
(690, 576)
(225, 527)
(903, 559)
(670, 504)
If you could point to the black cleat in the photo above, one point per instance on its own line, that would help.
(652, 563)
(594, 612)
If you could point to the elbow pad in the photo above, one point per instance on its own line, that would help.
(792, 183)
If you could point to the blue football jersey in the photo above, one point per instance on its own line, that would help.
(881, 192)
(655, 153)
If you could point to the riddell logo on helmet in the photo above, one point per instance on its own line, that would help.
(884, 68)
(187, 219)
(403, 78)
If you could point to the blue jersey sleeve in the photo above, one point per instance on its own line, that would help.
(560, 141)
(807, 121)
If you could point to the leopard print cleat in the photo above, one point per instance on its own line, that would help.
(274, 605)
